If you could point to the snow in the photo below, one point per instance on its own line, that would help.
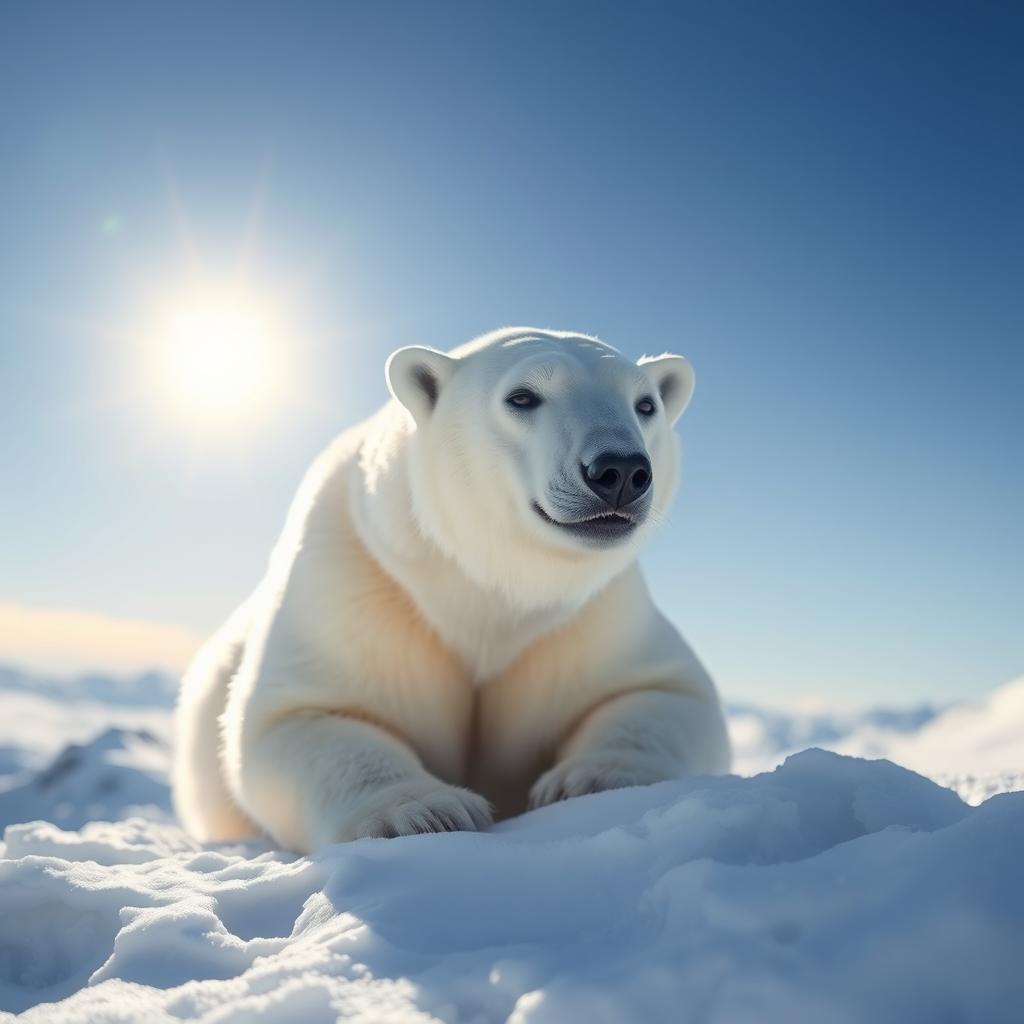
(41, 715)
(830, 889)
(119, 774)
(976, 748)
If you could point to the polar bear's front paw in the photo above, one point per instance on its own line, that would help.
(578, 776)
(416, 806)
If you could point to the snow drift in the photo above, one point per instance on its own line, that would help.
(832, 889)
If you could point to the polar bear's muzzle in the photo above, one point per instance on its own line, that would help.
(621, 484)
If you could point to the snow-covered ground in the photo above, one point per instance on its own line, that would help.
(833, 889)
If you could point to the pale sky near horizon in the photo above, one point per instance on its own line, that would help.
(819, 204)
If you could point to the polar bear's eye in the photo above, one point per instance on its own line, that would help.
(645, 407)
(523, 398)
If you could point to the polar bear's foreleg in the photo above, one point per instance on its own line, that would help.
(636, 739)
(317, 777)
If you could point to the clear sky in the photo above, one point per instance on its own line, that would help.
(820, 204)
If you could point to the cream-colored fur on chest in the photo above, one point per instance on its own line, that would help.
(371, 686)
(483, 626)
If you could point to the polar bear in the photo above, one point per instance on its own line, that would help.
(453, 624)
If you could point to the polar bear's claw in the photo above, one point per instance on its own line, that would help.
(416, 808)
(578, 777)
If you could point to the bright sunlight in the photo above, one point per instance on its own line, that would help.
(219, 356)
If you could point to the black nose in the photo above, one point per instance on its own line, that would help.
(619, 479)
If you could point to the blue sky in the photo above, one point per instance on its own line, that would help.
(820, 204)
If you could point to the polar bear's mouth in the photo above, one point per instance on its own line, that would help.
(607, 526)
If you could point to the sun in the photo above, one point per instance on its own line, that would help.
(219, 356)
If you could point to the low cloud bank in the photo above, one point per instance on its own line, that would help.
(63, 641)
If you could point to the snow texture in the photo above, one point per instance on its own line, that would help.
(832, 889)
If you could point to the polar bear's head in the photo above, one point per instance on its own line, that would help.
(540, 460)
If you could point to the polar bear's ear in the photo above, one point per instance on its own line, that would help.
(674, 379)
(416, 376)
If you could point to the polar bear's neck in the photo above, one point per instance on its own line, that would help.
(483, 626)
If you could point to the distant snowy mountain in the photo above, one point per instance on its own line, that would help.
(121, 773)
(39, 715)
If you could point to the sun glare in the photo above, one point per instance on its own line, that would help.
(219, 357)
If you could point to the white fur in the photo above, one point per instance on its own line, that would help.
(425, 643)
